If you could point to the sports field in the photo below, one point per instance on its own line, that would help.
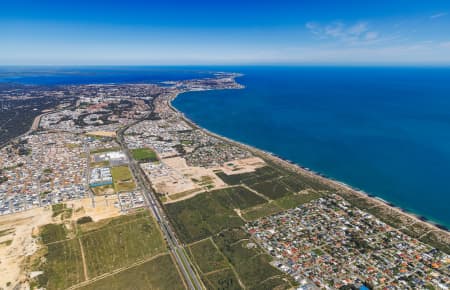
(123, 180)
(144, 155)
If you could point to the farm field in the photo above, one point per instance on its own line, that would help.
(274, 182)
(117, 245)
(158, 273)
(224, 279)
(63, 266)
(259, 175)
(280, 204)
(52, 233)
(224, 253)
(90, 249)
(251, 264)
(273, 189)
(295, 200)
(208, 213)
(207, 257)
(237, 197)
(262, 210)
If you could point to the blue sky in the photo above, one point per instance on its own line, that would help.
(224, 32)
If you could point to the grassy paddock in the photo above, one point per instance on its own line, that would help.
(201, 216)
(251, 264)
(273, 283)
(237, 197)
(52, 233)
(60, 208)
(182, 194)
(224, 280)
(117, 245)
(259, 175)
(294, 183)
(435, 239)
(89, 227)
(63, 266)
(292, 201)
(159, 273)
(259, 211)
(273, 189)
(107, 245)
(208, 213)
(207, 257)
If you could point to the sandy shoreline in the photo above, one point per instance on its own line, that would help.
(337, 185)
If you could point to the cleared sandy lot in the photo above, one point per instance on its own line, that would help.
(17, 229)
(176, 177)
(105, 207)
(177, 181)
(102, 133)
(242, 165)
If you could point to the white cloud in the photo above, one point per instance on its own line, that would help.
(416, 53)
(358, 28)
(335, 30)
(358, 33)
(438, 15)
(445, 44)
(314, 28)
(371, 35)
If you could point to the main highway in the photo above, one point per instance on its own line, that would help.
(176, 248)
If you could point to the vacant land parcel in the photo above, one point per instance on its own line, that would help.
(224, 255)
(85, 251)
(251, 264)
(120, 243)
(274, 182)
(157, 273)
(208, 213)
(215, 270)
(63, 264)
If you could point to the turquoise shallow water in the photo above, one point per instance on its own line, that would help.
(384, 130)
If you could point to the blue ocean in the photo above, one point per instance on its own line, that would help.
(76, 75)
(384, 130)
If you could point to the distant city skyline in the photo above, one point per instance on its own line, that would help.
(232, 32)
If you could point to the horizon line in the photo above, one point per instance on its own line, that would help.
(237, 64)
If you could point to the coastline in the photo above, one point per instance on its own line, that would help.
(337, 185)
